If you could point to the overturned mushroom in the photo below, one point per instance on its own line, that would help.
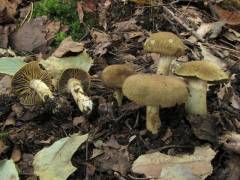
(198, 73)
(32, 84)
(168, 45)
(76, 81)
(154, 91)
(113, 76)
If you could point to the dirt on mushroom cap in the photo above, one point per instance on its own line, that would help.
(155, 90)
(113, 76)
(165, 43)
(21, 83)
(204, 70)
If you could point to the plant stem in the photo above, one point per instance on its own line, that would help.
(164, 65)
(41, 88)
(153, 122)
(84, 102)
(197, 99)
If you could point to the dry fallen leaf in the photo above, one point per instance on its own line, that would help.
(231, 142)
(8, 10)
(68, 45)
(16, 155)
(54, 162)
(126, 26)
(230, 17)
(198, 164)
(100, 37)
(103, 10)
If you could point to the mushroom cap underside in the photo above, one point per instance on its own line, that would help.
(113, 76)
(165, 43)
(155, 90)
(203, 70)
(73, 73)
(21, 83)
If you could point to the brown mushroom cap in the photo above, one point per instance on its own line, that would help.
(165, 43)
(79, 74)
(155, 90)
(203, 70)
(113, 76)
(21, 83)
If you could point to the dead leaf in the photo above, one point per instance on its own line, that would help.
(132, 34)
(3, 147)
(103, 11)
(8, 10)
(68, 45)
(31, 37)
(126, 26)
(5, 85)
(115, 157)
(52, 28)
(25, 165)
(156, 164)
(89, 6)
(101, 49)
(4, 32)
(205, 128)
(233, 170)
(54, 162)
(80, 11)
(147, 2)
(231, 142)
(100, 37)
(16, 155)
(230, 17)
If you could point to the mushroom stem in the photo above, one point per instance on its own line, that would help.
(197, 100)
(118, 95)
(153, 122)
(41, 88)
(164, 65)
(84, 102)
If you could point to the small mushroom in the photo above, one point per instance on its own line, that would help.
(76, 81)
(198, 73)
(154, 91)
(168, 45)
(113, 76)
(32, 84)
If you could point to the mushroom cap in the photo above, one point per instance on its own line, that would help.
(21, 83)
(203, 70)
(155, 90)
(75, 73)
(165, 43)
(113, 76)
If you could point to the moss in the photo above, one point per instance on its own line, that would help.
(64, 11)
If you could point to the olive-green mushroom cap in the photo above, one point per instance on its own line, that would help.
(113, 76)
(165, 43)
(21, 83)
(73, 73)
(203, 70)
(155, 90)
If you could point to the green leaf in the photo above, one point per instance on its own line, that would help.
(10, 65)
(54, 162)
(8, 170)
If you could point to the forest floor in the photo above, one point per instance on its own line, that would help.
(113, 32)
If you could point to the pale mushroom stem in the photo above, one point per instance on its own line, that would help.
(84, 103)
(41, 88)
(153, 122)
(164, 65)
(118, 95)
(197, 99)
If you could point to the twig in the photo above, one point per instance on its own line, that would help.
(183, 24)
(28, 16)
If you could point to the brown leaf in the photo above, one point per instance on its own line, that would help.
(231, 142)
(16, 155)
(230, 17)
(89, 6)
(4, 32)
(52, 28)
(80, 11)
(103, 8)
(101, 48)
(156, 164)
(3, 147)
(5, 85)
(8, 10)
(31, 37)
(233, 168)
(100, 37)
(126, 26)
(68, 45)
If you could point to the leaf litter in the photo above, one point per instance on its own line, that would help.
(207, 32)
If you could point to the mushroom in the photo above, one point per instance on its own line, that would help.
(154, 91)
(168, 45)
(76, 81)
(32, 84)
(198, 73)
(113, 76)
